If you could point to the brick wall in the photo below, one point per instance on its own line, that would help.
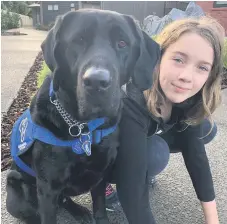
(218, 13)
(221, 16)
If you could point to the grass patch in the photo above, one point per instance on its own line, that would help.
(42, 74)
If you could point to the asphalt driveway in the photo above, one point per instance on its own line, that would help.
(173, 199)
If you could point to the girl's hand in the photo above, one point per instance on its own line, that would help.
(210, 212)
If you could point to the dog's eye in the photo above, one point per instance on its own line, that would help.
(121, 44)
(81, 40)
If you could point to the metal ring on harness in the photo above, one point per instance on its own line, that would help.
(53, 101)
(78, 129)
(84, 126)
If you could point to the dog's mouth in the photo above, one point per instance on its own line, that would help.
(98, 92)
(98, 104)
(91, 107)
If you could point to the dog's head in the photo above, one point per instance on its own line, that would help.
(92, 53)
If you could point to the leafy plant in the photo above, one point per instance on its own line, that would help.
(9, 20)
(225, 53)
(20, 7)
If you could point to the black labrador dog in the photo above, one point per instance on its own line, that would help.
(91, 54)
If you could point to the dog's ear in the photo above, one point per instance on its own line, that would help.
(47, 45)
(148, 58)
(145, 65)
(51, 51)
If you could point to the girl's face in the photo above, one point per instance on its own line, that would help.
(185, 67)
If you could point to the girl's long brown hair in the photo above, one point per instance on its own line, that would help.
(210, 94)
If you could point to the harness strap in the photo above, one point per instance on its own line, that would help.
(33, 131)
(25, 132)
(14, 147)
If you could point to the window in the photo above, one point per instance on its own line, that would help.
(55, 7)
(219, 4)
(50, 7)
(72, 7)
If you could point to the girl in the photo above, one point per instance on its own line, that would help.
(173, 115)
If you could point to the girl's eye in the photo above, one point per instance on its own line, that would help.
(121, 44)
(203, 68)
(178, 60)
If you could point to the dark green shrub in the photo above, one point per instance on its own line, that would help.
(9, 20)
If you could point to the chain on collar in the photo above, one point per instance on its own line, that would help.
(74, 125)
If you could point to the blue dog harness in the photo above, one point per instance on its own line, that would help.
(25, 132)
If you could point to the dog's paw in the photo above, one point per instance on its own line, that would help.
(14, 177)
(77, 211)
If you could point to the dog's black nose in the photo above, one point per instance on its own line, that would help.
(97, 78)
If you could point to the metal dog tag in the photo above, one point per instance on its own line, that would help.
(87, 147)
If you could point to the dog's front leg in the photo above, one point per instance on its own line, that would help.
(99, 205)
(48, 199)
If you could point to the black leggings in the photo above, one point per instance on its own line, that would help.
(134, 165)
(161, 146)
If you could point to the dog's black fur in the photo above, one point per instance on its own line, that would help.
(89, 64)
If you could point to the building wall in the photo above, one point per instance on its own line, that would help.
(169, 5)
(90, 5)
(218, 13)
(142, 9)
(49, 16)
(138, 9)
(34, 17)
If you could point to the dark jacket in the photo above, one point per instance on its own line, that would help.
(136, 125)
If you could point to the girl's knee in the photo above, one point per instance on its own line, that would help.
(208, 133)
(158, 155)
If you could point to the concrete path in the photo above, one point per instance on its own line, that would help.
(173, 199)
(18, 55)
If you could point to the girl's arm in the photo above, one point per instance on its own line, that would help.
(197, 164)
(131, 168)
(210, 212)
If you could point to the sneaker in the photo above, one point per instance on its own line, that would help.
(112, 201)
